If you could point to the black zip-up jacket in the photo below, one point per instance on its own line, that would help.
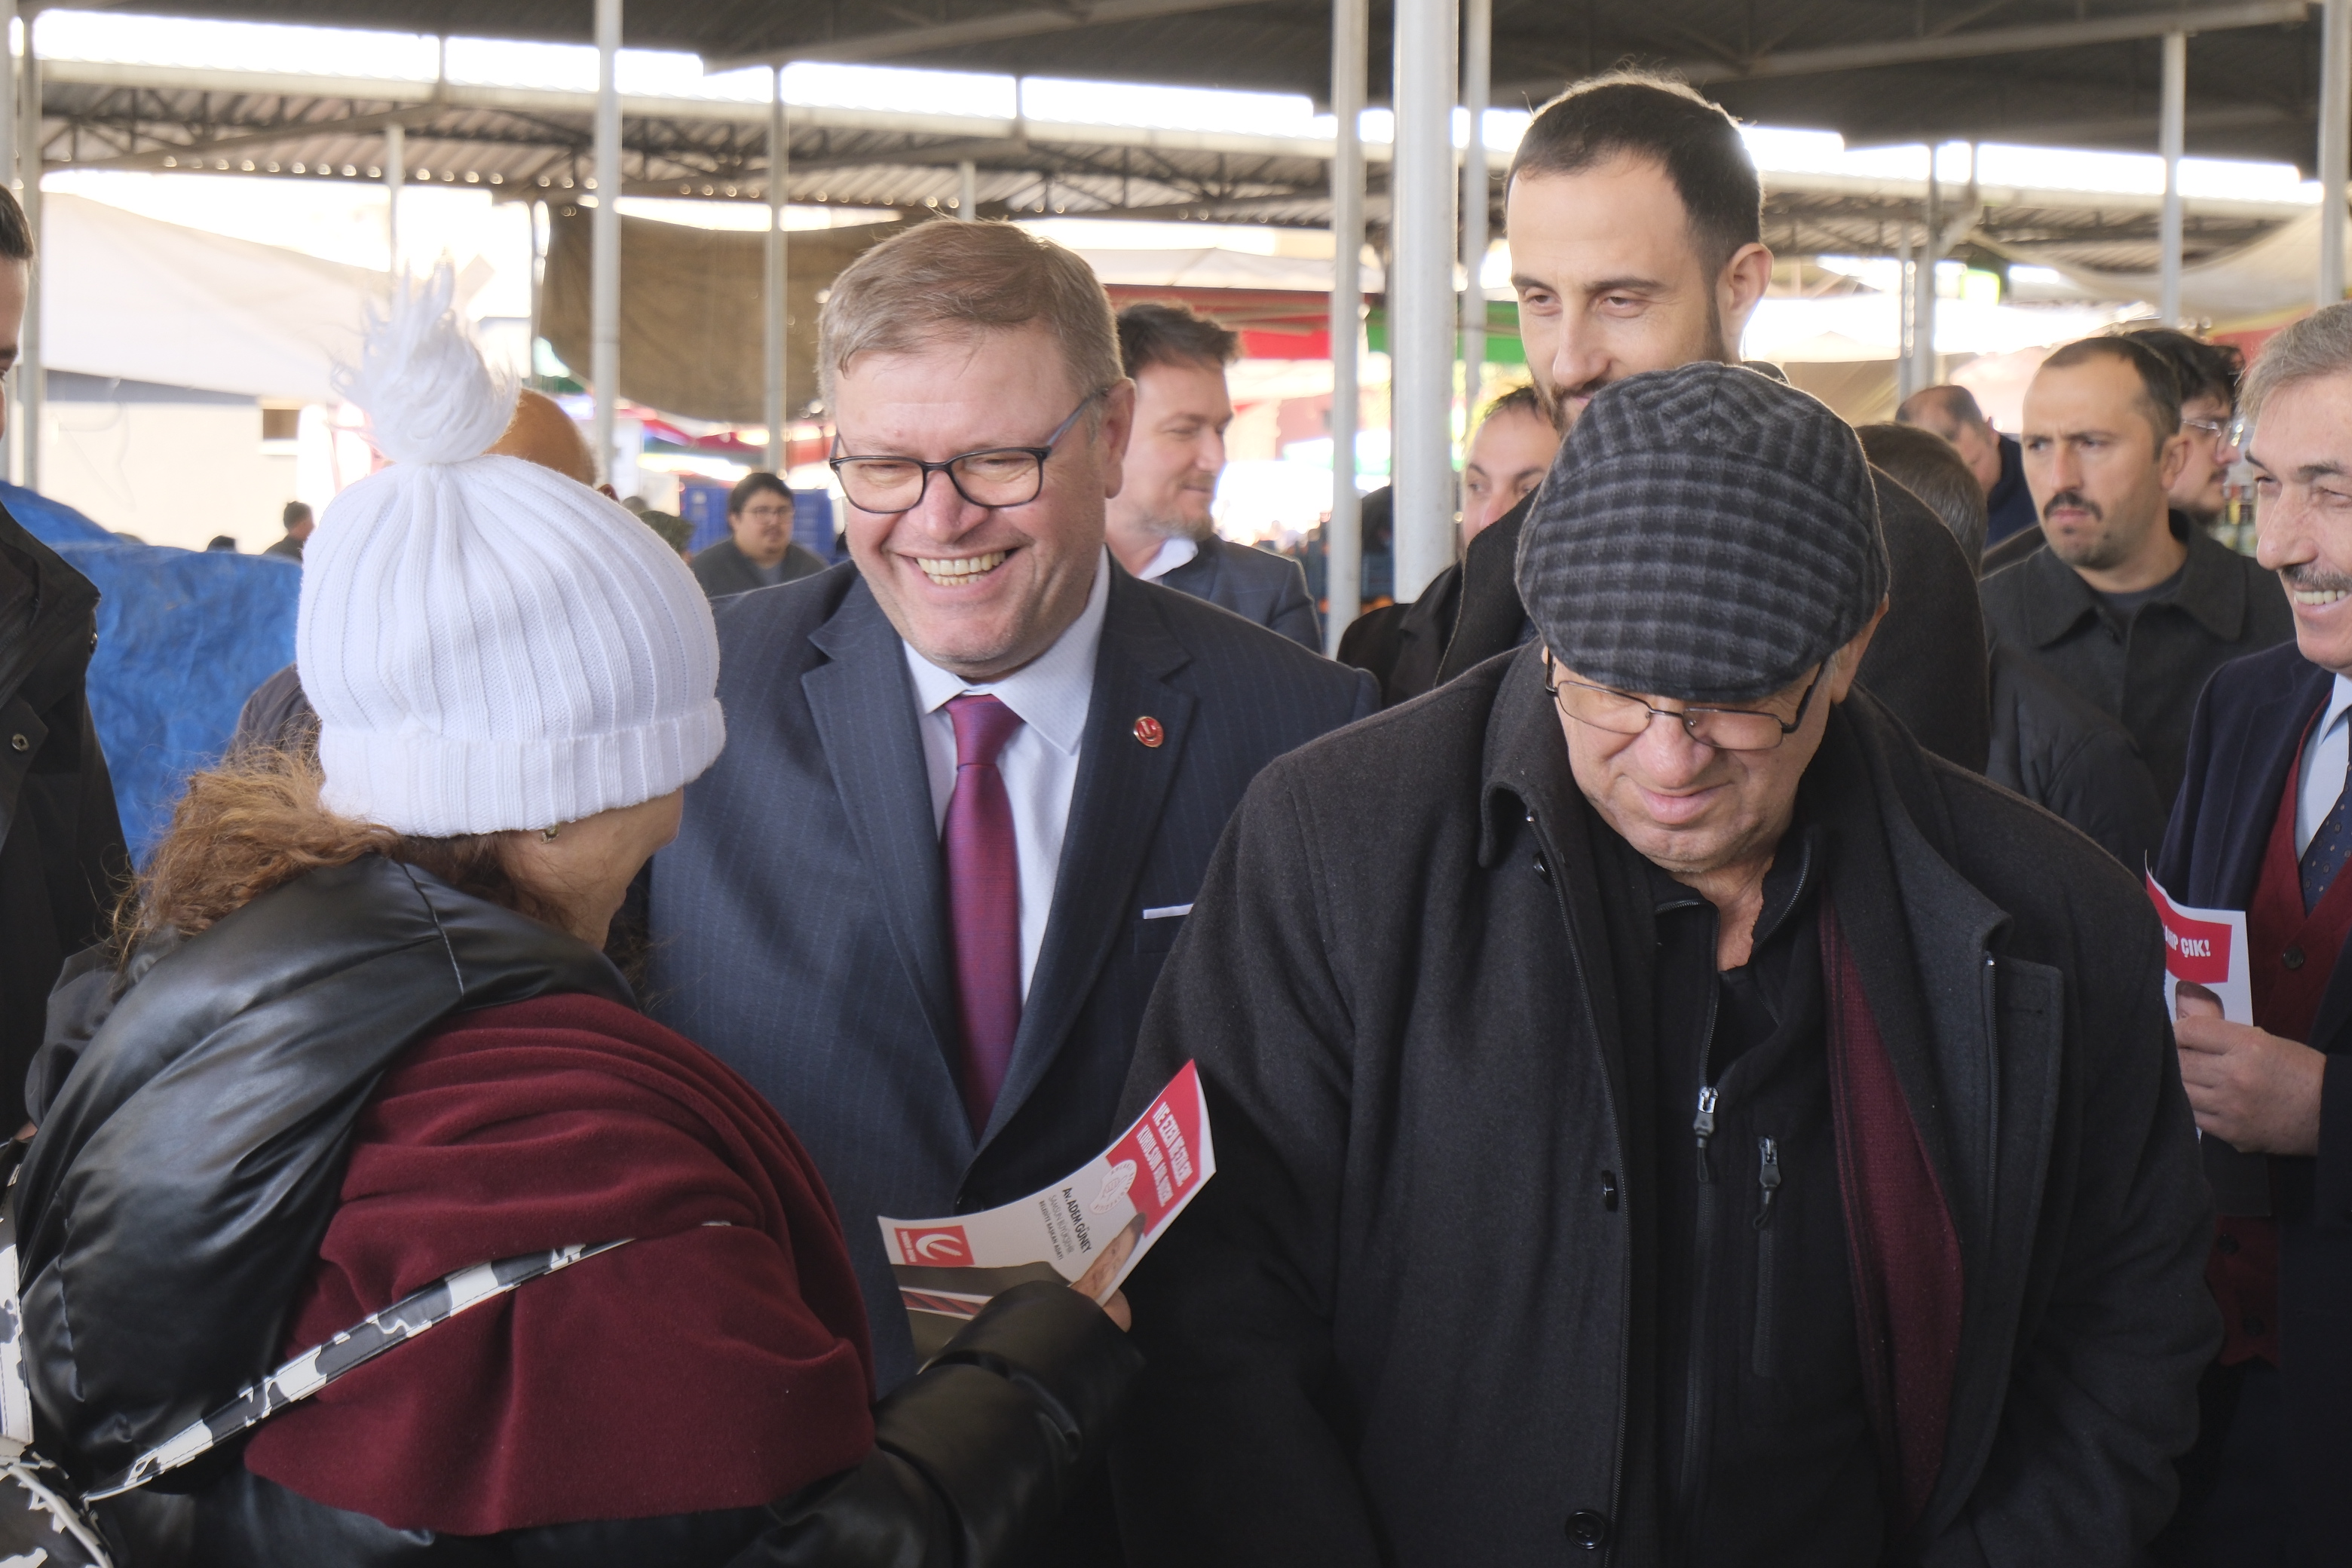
(2146, 675)
(61, 855)
(2061, 753)
(197, 1114)
(1405, 1323)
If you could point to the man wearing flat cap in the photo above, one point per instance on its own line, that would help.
(1663, 1114)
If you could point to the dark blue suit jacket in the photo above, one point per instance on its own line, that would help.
(1254, 584)
(2248, 728)
(799, 924)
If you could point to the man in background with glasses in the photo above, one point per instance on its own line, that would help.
(1662, 1111)
(2208, 374)
(970, 787)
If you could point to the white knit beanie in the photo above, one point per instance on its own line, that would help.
(488, 644)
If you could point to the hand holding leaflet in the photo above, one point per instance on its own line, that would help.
(1089, 1230)
(2206, 974)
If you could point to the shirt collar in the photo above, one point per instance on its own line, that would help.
(2212, 589)
(1173, 552)
(2339, 702)
(1051, 692)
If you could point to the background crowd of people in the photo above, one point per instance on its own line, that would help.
(1680, 1015)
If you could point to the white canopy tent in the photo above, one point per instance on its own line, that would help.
(131, 298)
(2271, 276)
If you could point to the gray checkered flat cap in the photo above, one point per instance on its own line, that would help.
(1707, 534)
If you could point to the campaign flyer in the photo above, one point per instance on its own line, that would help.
(1089, 1230)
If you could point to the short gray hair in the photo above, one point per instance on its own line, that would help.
(2318, 346)
(944, 279)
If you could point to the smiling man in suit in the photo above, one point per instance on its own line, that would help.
(973, 778)
(2263, 824)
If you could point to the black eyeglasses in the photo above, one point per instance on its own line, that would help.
(998, 476)
(1725, 729)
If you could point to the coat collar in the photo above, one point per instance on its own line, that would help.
(1525, 773)
(65, 602)
(2213, 590)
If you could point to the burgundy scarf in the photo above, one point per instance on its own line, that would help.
(718, 1362)
(1902, 1246)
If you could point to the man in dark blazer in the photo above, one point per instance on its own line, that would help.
(984, 704)
(1158, 523)
(759, 551)
(2263, 824)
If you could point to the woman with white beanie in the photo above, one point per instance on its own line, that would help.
(358, 1035)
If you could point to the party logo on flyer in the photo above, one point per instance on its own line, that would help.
(939, 1247)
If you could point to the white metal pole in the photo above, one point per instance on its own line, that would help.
(396, 175)
(1931, 251)
(966, 191)
(779, 163)
(32, 380)
(605, 236)
(536, 211)
(1906, 301)
(8, 94)
(1421, 293)
(11, 463)
(1478, 70)
(2172, 133)
(2335, 133)
(1343, 536)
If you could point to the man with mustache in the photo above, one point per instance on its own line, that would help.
(2130, 604)
(2265, 824)
(1634, 214)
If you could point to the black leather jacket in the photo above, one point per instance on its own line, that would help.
(196, 1112)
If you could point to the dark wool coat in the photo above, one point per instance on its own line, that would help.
(1404, 1322)
(61, 855)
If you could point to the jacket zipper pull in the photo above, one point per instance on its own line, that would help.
(1767, 1177)
(1704, 1125)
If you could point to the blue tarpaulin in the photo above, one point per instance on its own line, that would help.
(184, 636)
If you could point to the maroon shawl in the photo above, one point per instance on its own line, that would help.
(720, 1361)
(1902, 1248)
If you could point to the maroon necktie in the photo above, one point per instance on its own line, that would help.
(984, 900)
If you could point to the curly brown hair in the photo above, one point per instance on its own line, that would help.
(255, 823)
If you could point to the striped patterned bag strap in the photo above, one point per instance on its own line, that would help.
(320, 1365)
(16, 1394)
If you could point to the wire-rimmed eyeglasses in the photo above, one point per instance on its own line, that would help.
(993, 477)
(1725, 729)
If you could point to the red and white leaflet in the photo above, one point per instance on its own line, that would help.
(2205, 951)
(1090, 1228)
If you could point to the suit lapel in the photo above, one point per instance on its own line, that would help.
(863, 701)
(2273, 729)
(1113, 816)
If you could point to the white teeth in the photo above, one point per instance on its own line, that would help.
(962, 570)
(2317, 596)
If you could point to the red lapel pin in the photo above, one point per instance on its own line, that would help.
(1149, 731)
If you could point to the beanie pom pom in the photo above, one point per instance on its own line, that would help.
(430, 396)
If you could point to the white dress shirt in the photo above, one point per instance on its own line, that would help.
(1040, 762)
(1173, 552)
(2323, 756)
